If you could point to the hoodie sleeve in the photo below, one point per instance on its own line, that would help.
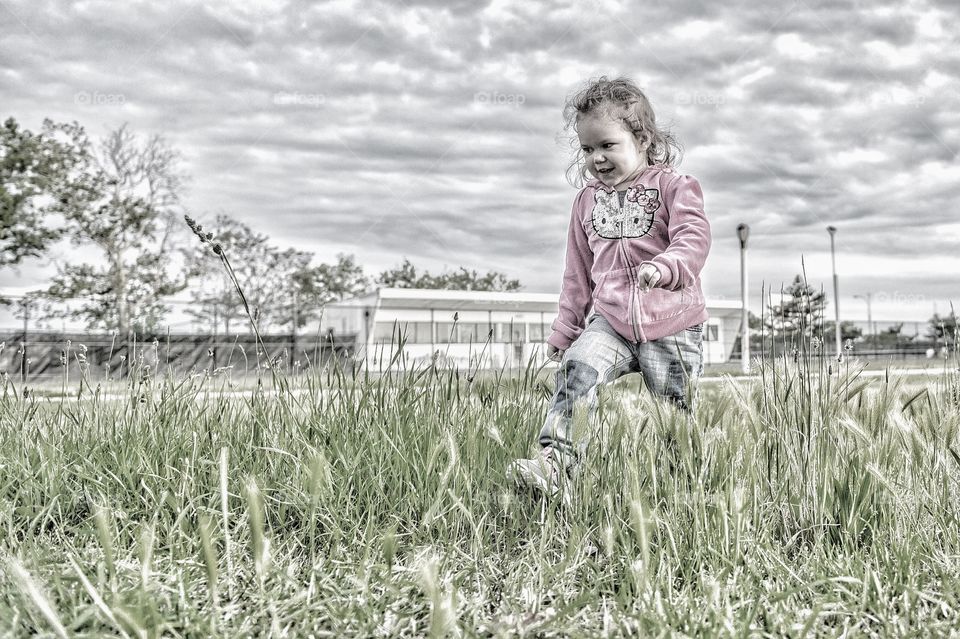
(576, 295)
(689, 235)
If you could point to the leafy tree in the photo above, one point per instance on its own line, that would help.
(848, 331)
(123, 204)
(280, 284)
(35, 169)
(891, 337)
(325, 283)
(800, 311)
(262, 270)
(406, 276)
(943, 328)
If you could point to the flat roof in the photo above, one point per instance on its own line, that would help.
(426, 298)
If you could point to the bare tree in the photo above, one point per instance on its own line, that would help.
(262, 270)
(125, 206)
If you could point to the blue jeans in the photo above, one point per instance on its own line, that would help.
(600, 356)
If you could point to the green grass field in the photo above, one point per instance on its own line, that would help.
(802, 503)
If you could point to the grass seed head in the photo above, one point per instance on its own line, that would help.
(205, 237)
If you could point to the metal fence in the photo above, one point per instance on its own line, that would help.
(50, 355)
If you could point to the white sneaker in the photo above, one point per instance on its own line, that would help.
(545, 473)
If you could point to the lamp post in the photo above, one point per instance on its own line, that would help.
(867, 298)
(743, 232)
(832, 230)
(25, 358)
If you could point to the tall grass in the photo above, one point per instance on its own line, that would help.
(806, 501)
(369, 505)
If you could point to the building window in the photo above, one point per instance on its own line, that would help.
(539, 332)
(412, 332)
(447, 332)
(510, 332)
(711, 333)
(422, 333)
(475, 332)
(385, 332)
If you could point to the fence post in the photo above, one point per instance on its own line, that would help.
(213, 348)
(24, 365)
(296, 322)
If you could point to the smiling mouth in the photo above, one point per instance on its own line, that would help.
(604, 171)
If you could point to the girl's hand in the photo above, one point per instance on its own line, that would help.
(554, 353)
(648, 276)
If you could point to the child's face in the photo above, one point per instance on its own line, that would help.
(612, 153)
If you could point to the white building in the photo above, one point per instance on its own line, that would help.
(476, 329)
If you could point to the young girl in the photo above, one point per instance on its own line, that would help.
(637, 241)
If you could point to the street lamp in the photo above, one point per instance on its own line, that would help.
(868, 297)
(25, 357)
(832, 230)
(743, 232)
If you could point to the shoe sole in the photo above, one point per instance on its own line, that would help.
(530, 477)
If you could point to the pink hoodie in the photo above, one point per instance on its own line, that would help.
(661, 222)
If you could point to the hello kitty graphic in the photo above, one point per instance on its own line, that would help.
(634, 219)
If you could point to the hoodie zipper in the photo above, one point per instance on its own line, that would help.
(630, 276)
(634, 292)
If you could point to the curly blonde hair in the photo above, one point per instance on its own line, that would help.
(619, 99)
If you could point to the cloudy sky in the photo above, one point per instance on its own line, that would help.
(433, 130)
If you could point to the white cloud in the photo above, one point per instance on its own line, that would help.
(434, 131)
(792, 45)
(696, 30)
